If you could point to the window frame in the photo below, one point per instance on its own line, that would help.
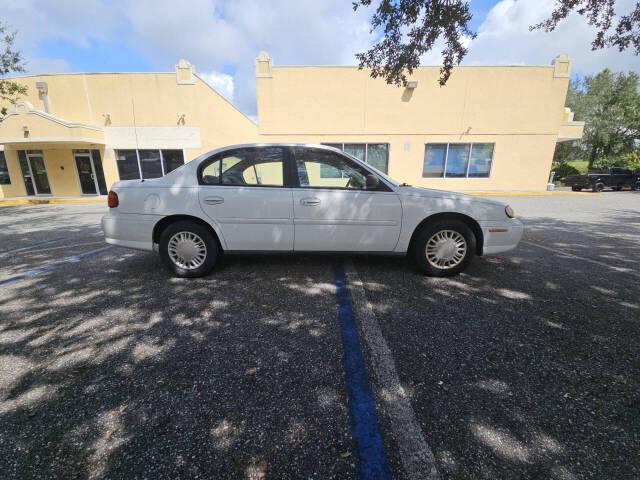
(137, 150)
(6, 165)
(366, 151)
(466, 171)
(217, 157)
(382, 186)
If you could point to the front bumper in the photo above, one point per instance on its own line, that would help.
(501, 236)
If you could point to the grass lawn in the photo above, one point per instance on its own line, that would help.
(580, 165)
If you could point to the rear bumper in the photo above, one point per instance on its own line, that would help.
(129, 230)
(501, 236)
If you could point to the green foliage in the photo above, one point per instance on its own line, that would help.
(411, 28)
(609, 104)
(10, 61)
(563, 170)
(629, 160)
(581, 165)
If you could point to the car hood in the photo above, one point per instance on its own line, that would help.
(444, 194)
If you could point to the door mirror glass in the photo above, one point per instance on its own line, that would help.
(372, 181)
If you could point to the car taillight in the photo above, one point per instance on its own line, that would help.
(112, 199)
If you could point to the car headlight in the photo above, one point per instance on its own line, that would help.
(509, 211)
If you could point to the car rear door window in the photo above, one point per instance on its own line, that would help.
(260, 166)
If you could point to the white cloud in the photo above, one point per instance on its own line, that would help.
(504, 38)
(225, 36)
(220, 82)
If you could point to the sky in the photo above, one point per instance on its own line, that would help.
(222, 38)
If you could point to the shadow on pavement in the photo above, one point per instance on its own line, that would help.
(526, 365)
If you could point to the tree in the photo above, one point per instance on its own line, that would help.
(411, 28)
(609, 103)
(10, 61)
(600, 14)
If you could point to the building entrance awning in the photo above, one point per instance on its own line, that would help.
(26, 127)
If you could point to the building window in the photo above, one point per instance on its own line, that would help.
(457, 160)
(374, 154)
(4, 170)
(136, 164)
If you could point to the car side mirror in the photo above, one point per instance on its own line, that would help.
(372, 182)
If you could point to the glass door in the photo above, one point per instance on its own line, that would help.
(86, 176)
(39, 172)
(34, 172)
(90, 173)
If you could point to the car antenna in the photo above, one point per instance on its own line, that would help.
(135, 131)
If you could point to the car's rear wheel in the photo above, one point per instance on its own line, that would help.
(598, 187)
(443, 248)
(188, 249)
(575, 189)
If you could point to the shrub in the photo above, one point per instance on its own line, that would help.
(563, 170)
(628, 160)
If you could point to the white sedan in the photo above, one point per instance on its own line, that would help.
(300, 198)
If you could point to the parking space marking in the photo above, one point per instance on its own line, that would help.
(39, 244)
(47, 249)
(628, 271)
(416, 456)
(51, 266)
(365, 428)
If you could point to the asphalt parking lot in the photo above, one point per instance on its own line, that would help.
(525, 366)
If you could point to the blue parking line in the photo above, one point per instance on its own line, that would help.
(31, 273)
(364, 420)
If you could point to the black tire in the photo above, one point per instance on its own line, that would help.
(212, 254)
(575, 189)
(419, 245)
(598, 187)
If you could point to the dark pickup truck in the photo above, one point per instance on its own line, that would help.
(614, 177)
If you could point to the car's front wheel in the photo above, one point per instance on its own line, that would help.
(188, 249)
(444, 248)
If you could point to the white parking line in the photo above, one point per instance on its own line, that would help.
(416, 455)
(628, 271)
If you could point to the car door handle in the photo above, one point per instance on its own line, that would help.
(213, 200)
(310, 201)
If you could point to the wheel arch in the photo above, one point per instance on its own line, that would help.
(466, 219)
(164, 222)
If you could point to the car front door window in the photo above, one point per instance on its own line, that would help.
(326, 169)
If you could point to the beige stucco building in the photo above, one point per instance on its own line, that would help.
(489, 129)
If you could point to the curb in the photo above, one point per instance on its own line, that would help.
(47, 201)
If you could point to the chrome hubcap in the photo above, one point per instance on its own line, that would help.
(446, 249)
(187, 250)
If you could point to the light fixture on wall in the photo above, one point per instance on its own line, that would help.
(25, 130)
(412, 85)
(43, 89)
(107, 118)
(181, 118)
